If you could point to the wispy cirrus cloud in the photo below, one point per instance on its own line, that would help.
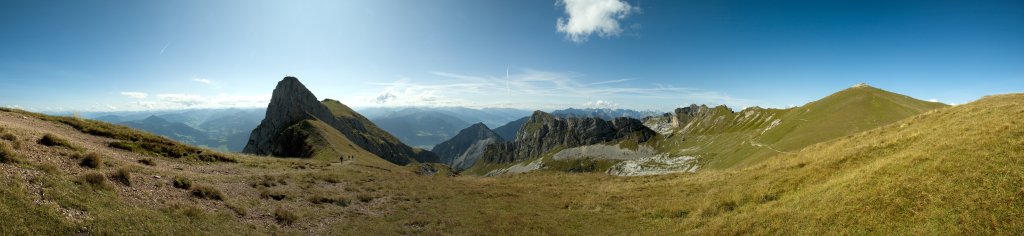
(202, 80)
(535, 89)
(136, 95)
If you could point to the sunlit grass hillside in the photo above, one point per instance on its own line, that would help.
(724, 139)
(954, 170)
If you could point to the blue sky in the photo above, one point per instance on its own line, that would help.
(532, 54)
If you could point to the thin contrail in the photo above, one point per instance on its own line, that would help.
(164, 49)
(507, 86)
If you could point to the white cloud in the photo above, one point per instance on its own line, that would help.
(187, 100)
(601, 104)
(201, 80)
(933, 100)
(410, 95)
(111, 107)
(586, 17)
(533, 89)
(385, 97)
(136, 95)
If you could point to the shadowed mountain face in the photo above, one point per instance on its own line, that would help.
(544, 132)
(463, 150)
(509, 131)
(297, 125)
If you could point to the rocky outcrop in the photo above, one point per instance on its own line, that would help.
(283, 131)
(544, 132)
(463, 150)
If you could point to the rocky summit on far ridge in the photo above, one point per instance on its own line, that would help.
(463, 150)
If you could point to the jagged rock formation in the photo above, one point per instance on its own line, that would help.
(292, 128)
(544, 132)
(463, 150)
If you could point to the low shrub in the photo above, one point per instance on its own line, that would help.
(363, 197)
(123, 176)
(9, 137)
(91, 160)
(340, 201)
(8, 155)
(95, 180)
(182, 183)
(276, 195)
(207, 192)
(284, 216)
(148, 162)
(52, 140)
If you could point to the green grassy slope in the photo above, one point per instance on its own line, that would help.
(725, 139)
(950, 171)
(366, 129)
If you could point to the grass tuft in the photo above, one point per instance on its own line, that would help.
(9, 137)
(285, 217)
(8, 155)
(207, 192)
(91, 160)
(320, 199)
(95, 180)
(52, 140)
(148, 162)
(123, 176)
(182, 183)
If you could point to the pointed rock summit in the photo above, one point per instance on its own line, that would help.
(298, 125)
(463, 150)
(290, 104)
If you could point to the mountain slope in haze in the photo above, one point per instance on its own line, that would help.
(172, 130)
(722, 138)
(421, 128)
(222, 129)
(510, 130)
(492, 117)
(232, 129)
(463, 150)
(297, 125)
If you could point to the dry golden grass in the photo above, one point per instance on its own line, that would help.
(951, 171)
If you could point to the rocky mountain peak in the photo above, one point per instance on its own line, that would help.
(463, 150)
(289, 128)
(290, 103)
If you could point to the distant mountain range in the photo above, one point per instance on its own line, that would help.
(603, 113)
(222, 129)
(425, 127)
